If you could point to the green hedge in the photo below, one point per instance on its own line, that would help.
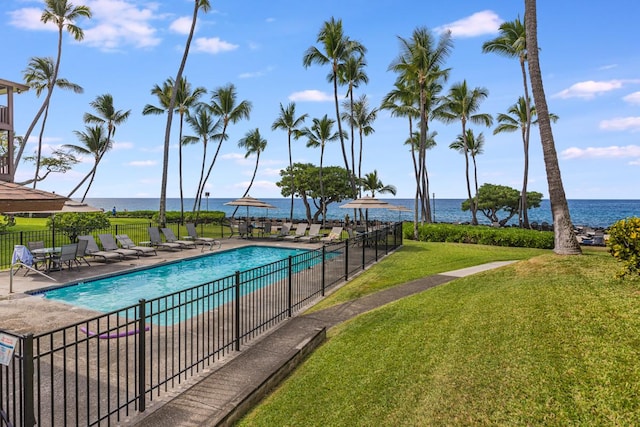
(483, 235)
(174, 216)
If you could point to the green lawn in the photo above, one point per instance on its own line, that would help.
(550, 340)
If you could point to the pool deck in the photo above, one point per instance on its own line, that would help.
(17, 308)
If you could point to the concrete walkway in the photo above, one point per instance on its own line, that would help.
(226, 394)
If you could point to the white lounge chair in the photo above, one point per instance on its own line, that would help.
(301, 230)
(156, 240)
(171, 238)
(109, 244)
(208, 241)
(126, 242)
(314, 234)
(94, 251)
(334, 235)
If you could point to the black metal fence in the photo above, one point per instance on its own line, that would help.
(107, 368)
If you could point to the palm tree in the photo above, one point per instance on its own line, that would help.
(288, 121)
(321, 132)
(419, 64)
(203, 124)
(363, 118)
(94, 143)
(512, 43)
(338, 48)
(254, 143)
(106, 114)
(224, 105)
(185, 100)
(39, 76)
(565, 242)
(198, 5)
(472, 145)
(63, 15)
(372, 183)
(519, 119)
(352, 74)
(462, 104)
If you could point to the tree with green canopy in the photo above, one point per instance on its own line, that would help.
(492, 199)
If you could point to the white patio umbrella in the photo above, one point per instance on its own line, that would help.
(400, 209)
(366, 202)
(250, 202)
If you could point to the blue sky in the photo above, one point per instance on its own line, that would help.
(589, 59)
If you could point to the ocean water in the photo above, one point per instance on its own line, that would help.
(593, 213)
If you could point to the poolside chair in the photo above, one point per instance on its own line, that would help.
(38, 258)
(243, 230)
(81, 252)
(171, 238)
(334, 235)
(301, 230)
(66, 256)
(314, 234)
(109, 244)
(126, 242)
(204, 241)
(284, 231)
(94, 251)
(156, 240)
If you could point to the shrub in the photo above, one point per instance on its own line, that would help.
(483, 235)
(77, 224)
(624, 244)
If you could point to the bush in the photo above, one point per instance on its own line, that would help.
(482, 235)
(78, 224)
(207, 217)
(624, 244)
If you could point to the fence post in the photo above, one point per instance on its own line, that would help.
(289, 284)
(142, 350)
(324, 260)
(237, 313)
(27, 381)
(365, 240)
(346, 259)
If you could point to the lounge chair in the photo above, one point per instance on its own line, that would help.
(109, 244)
(94, 251)
(81, 252)
(208, 241)
(171, 238)
(314, 234)
(334, 234)
(301, 230)
(284, 231)
(156, 240)
(126, 242)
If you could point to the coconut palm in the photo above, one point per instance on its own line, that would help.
(352, 74)
(64, 15)
(420, 65)
(516, 119)
(106, 114)
(185, 100)
(512, 43)
(224, 104)
(473, 146)
(288, 121)
(206, 128)
(338, 48)
(94, 143)
(254, 143)
(363, 117)
(462, 104)
(371, 182)
(39, 76)
(321, 132)
(198, 5)
(565, 242)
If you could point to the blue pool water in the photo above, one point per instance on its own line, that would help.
(115, 292)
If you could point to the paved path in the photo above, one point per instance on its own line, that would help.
(230, 391)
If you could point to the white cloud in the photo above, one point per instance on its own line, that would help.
(310, 95)
(614, 151)
(142, 163)
(633, 98)
(621, 123)
(480, 23)
(254, 74)
(232, 156)
(590, 89)
(28, 18)
(270, 20)
(213, 45)
(181, 25)
(270, 172)
(122, 145)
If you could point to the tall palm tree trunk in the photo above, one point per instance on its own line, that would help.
(565, 239)
(44, 121)
(180, 170)
(524, 204)
(293, 180)
(344, 151)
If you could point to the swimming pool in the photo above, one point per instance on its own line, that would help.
(115, 292)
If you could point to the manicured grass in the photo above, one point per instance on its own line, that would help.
(418, 259)
(547, 341)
